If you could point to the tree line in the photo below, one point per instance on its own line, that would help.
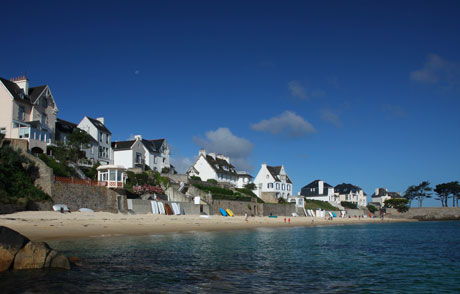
(442, 192)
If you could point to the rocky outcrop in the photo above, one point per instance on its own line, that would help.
(18, 252)
(10, 243)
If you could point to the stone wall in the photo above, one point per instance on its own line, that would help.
(268, 197)
(427, 213)
(278, 209)
(176, 177)
(144, 206)
(77, 196)
(237, 207)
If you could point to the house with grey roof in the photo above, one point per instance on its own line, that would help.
(382, 194)
(141, 153)
(27, 113)
(351, 193)
(98, 131)
(272, 183)
(319, 190)
(217, 167)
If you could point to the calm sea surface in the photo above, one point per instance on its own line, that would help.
(421, 257)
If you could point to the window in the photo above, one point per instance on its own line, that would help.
(44, 103)
(44, 119)
(277, 186)
(100, 136)
(3, 131)
(289, 187)
(112, 175)
(138, 157)
(267, 176)
(107, 139)
(283, 187)
(21, 113)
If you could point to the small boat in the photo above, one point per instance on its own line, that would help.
(273, 216)
(60, 207)
(161, 208)
(168, 209)
(85, 210)
(155, 209)
(229, 212)
(223, 212)
(333, 214)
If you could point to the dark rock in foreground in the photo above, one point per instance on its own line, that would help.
(18, 252)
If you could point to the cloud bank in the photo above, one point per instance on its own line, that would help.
(331, 117)
(438, 71)
(223, 141)
(287, 123)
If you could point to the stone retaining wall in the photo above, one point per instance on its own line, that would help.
(77, 196)
(427, 213)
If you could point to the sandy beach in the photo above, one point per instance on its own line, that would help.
(49, 225)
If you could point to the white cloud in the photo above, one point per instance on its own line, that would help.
(329, 116)
(222, 141)
(181, 163)
(297, 90)
(287, 123)
(438, 71)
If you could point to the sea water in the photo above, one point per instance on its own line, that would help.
(421, 257)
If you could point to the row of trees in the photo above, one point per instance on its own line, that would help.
(442, 192)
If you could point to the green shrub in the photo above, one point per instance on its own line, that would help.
(250, 186)
(212, 181)
(349, 205)
(219, 193)
(59, 168)
(195, 178)
(17, 176)
(401, 204)
(371, 208)
(318, 204)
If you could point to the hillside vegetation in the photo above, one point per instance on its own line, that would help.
(17, 176)
(317, 204)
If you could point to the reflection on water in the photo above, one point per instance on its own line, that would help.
(383, 258)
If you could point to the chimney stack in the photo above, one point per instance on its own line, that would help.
(23, 83)
(101, 119)
(138, 137)
(202, 152)
(320, 187)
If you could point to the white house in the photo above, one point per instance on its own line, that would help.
(272, 183)
(27, 113)
(129, 154)
(96, 129)
(351, 193)
(219, 168)
(319, 190)
(382, 194)
(157, 153)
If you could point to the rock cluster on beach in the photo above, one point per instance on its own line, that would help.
(18, 252)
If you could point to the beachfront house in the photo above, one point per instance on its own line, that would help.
(129, 154)
(382, 194)
(272, 183)
(319, 190)
(351, 193)
(63, 130)
(157, 155)
(27, 113)
(217, 167)
(101, 134)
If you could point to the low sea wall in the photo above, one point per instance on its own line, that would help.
(238, 207)
(77, 196)
(426, 213)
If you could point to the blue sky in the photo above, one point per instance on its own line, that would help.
(362, 92)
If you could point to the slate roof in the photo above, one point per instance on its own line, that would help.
(346, 188)
(65, 126)
(34, 93)
(14, 89)
(100, 126)
(306, 190)
(122, 145)
(314, 184)
(221, 166)
(275, 172)
(153, 145)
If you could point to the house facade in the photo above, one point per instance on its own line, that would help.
(272, 183)
(157, 154)
(351, 193)
(98, 131)
(129, 154)
(217, 167)
(319, 190)
(27, 113)
(382, 194)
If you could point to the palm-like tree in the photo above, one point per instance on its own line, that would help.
(423, 191)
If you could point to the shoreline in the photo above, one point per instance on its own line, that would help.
(50, 225)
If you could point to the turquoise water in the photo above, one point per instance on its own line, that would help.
(422, 257)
